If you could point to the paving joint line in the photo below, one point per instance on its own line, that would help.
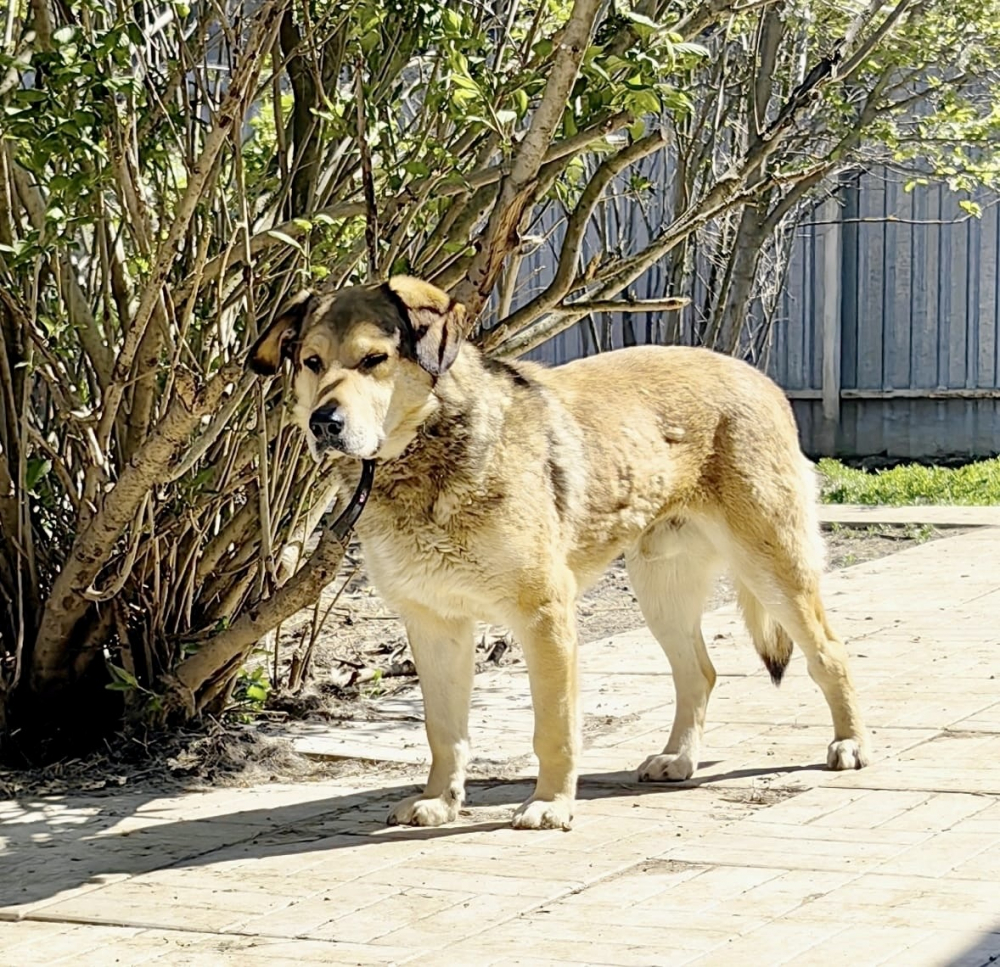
(72, 921)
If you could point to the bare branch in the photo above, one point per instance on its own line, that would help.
(576, 229)
(76, 303)
(671, 304)
(882, 31)
(367, 178)
(517, 190)
(42, 22)
(724, 194)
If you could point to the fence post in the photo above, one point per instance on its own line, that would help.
(830, 315)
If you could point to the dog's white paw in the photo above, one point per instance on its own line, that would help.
(544, 814)
(847, 754)
(667, 767)
(425, 811)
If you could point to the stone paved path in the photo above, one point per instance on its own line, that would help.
(765, 858)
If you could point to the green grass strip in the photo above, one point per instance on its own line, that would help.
(973, 484)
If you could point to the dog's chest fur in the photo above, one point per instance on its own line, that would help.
(428, 531)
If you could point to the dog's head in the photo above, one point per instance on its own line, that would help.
(365, 360)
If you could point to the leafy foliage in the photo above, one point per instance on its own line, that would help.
(972, 484)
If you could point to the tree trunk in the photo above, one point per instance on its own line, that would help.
(737, 284)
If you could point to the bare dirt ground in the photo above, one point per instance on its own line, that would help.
(355, 653)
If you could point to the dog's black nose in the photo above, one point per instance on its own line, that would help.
(327, 424)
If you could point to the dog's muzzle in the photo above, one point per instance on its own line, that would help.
(327, 426)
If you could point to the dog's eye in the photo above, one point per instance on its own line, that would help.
(375, 359)
(313, 364)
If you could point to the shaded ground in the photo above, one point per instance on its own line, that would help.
(357, 654)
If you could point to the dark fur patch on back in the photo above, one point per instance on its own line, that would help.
(775, 667)
(502, 368)
(557, 478)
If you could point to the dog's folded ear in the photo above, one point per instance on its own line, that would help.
(437, 322)
(277, 342)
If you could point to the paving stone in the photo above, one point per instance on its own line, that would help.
(537, 947)
(20, 934)
(864, 945)
(778, 895)
(396, 912)
(949, 948)
(776, 942)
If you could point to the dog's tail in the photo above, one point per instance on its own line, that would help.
(769, 638)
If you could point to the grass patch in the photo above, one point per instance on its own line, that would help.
(973, 484)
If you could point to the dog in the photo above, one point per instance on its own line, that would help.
(504, 489)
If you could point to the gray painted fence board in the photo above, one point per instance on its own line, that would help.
(795, 375)
(925, 305)
(871, 252)
(974, 236)
(985, 306)
(954, 320)
(815, 296)
(898, 288)
(849, 288)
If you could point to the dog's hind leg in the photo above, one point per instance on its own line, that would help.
(776, 563)
(444, 652)
(671, 569)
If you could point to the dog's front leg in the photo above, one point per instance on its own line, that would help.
(548, 637)
(444, 653)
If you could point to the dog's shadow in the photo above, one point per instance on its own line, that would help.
(46, 852)
(598, 785)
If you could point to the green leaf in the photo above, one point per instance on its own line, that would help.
(35, 471)
(287, 239)
(686, 47)
(543, 49)
(256, 693)
(971, 207)
(642, 102)
(122, 678)
(643, 21)
(466, 83)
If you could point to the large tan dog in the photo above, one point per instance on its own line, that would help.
(504, 489)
